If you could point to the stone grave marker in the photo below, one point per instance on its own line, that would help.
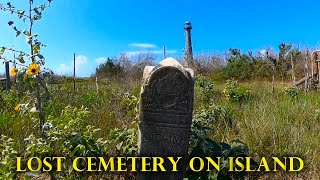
(166, 116)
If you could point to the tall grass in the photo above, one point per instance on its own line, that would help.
(275, 124)
(271, 124)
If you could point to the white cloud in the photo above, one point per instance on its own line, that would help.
(81, 62)
(83, 68)
(134, 53)
(63, 69)
(101, 60)
(143, 45)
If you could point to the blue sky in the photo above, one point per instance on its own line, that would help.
(95, 30)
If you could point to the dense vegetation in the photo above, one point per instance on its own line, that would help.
(287, 63)
(104, 123)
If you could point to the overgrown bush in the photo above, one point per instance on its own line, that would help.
(7, 158)
(67, 135)
(205, 121)
(235, 93)
(125, 141)
(206, 87)
(207, 118)
(238, 69)
(291, 91)
(109, 69)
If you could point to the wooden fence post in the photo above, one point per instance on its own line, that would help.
(97, 85)
(74, 72)
(8, 86)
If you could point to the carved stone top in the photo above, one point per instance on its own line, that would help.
(167, 62)
(167, 88)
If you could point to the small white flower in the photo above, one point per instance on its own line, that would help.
(28, 39)
(24, 106)
(33, 110)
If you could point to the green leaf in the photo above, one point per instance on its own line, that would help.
(10, 23)
(3, 49)
(40, 56)
(20, 58)
(96, 130)
(36, 48)
(36, 17)
(27, 33)
(18, 33)
(239, 148)
(37, 12)
(119, 145)
(75, 150)
(213, 174)
(42, 7)
(26, 79)
(20, 13)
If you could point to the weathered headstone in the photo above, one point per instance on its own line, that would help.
(166, 116)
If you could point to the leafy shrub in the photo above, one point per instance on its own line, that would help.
(70, 136)
(233, 92)
(9, 101)
(209, 116)
(206, 87)
(238, 69)
(209, 148)
(291, 91)
(124, 141)
(202, 146)
(66, 135)
(7, 158)
(109, 69)
(130, 105)
(239, 65)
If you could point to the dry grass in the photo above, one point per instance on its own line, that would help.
(274, 124)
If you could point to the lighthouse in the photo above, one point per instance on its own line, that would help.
(188, 50)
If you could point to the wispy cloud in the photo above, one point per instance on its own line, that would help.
(143, 45)
(83, 68)
(134, 53)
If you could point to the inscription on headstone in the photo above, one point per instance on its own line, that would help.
(166, 115)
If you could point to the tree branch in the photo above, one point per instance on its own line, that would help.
(12, 11)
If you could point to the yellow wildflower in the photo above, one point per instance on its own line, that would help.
(224, 91)
(33, 69)
(13, 71)
(17, 107)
